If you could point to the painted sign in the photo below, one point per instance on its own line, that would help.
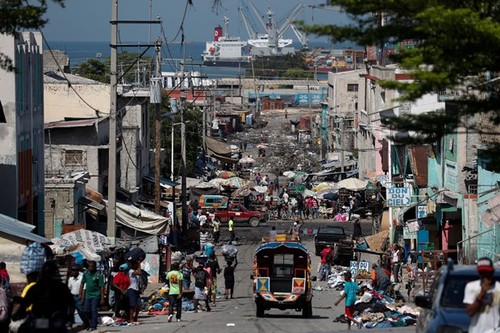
(364, 266)
(263, 284)
(398, 196)
(408, 234)
(298, 285)
(354, 268)
(152, 266)
(421, 212)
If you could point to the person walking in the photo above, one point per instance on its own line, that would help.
(397, 259)
(174, 279)
(482, 299)
(203, 238)
(187, 271)
(49, 299)
(325, 268)
(133, 292)
(4, 275)
(74, 284)
(357, 229)
(216, 230)
(92, 293)
(120, 283)
(215, 269)
(350, 290)
(230, 225)
(273, 234)
(201, 281)
(229, 278)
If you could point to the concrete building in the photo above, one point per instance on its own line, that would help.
(21, 129)
(65, 203)
(77, 132)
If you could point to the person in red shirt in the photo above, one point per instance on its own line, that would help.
(326, 263)
(4, 275)
(120, 283)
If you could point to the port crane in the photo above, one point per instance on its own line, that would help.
(272, 41)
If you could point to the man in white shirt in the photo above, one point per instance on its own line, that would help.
(482, 299)
(74, 283)
(202, 219)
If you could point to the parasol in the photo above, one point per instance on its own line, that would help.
(352, 184)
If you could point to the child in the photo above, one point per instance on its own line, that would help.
(229, 278)
(350, 290)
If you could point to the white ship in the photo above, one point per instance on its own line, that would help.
(270, 43)
(224, 50)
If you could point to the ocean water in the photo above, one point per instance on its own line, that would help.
(172, 55)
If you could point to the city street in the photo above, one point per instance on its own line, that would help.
(238, 314)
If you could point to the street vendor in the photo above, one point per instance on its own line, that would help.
(380, 279)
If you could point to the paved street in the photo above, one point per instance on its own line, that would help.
(238, 314)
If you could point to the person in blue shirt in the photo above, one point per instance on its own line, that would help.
(350, 290)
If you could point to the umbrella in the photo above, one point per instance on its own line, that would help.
(325, 186)
(352, 184)
(261, 145)
(330, 196)
(308, 193)
(289, 174)
(323, 192)
(246, 160)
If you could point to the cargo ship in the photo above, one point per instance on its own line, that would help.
(225, 51)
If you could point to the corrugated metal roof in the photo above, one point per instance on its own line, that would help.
(58, 77)
(19, 230)
(236, 81)
(418, 161)
(72, 123)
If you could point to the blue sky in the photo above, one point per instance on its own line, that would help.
(88, 20)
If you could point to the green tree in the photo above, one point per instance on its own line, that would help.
(457, 49)
(17, 15)
(297, 73)
(128, 64)
(93, 69)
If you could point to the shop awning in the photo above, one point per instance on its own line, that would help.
(18, 231)
(224, 159)
(218, 147)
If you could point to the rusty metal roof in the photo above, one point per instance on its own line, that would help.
(418, 160)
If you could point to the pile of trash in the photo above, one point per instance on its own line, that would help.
(374, 309)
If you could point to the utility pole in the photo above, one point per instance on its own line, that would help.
(155, 98)
(113, 116)
(111, 213)
(342, 145)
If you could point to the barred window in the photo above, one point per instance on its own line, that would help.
(352, 87)
(74, 158)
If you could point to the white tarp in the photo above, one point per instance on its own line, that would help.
(88, 243)
(140, 219)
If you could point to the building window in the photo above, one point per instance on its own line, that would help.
(352, 87)
(74, 158)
